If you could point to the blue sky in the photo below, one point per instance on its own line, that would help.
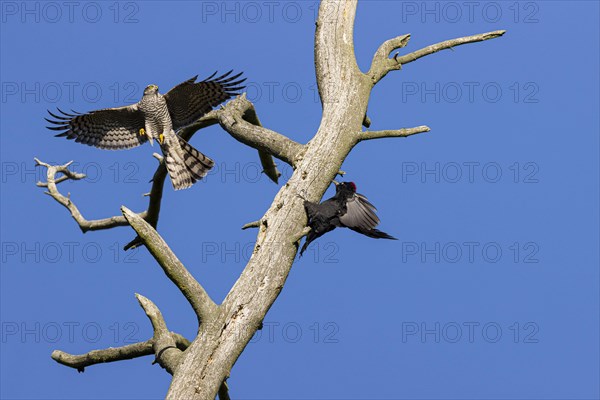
(492, 290)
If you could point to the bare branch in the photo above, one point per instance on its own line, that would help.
(84, 224)
(266, 160)
(112, 354)
(239, 119)
(208, 119)
(154, 203)
(128, 352)
(173, 268)
(248, 113)
(158, 323)
(253, 224)
(269, 166)
(164, 345)
(448, 44)
(404, 132)
(381, 66)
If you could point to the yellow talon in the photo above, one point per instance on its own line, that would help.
(142, 132)
(161, 138)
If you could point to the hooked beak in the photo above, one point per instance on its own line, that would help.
(150, 139)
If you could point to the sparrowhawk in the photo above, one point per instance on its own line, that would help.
(155, 117)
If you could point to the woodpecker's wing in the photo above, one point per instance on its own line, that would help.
(109, 128)
(190, 100)
(360, 213)
(311, 209)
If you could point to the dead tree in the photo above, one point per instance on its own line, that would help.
(201, 367)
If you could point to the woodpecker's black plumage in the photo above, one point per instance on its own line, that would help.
(347, 209)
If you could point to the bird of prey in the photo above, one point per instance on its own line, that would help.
(347, 209)
(155, 117)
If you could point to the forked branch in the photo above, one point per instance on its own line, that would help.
(161, 341)
(164, 345)
(112, 354)
(51, 182)
(382, 64)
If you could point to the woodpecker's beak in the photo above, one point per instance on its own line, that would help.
(336, 182)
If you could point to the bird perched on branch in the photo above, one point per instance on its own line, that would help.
(155, 117)
(347, 209)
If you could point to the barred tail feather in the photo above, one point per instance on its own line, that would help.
(181, 178)
(185, 164)
(197, 163)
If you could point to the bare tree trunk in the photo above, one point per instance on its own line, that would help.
(200, 368)
(344, 93)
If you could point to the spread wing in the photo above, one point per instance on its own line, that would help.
(110, 128)
(360, 214)
(190, 100)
